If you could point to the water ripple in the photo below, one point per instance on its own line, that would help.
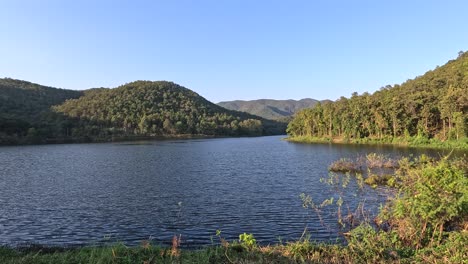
(101, 193)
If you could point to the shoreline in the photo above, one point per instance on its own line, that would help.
(117, 139)
(398, 142)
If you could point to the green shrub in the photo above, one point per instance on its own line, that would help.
(432, 196)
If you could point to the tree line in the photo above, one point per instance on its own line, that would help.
(434, 105)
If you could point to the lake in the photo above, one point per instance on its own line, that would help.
(88, 194)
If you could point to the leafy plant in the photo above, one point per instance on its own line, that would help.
(247, 240)
(432, 197)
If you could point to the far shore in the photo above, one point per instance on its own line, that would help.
(130, 138)
(400, 142)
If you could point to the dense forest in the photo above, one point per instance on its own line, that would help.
(434, 106)
(32, 113)
(268, 108)
(25, 110)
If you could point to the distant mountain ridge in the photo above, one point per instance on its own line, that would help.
(270, 108)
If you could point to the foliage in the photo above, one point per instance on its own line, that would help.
(247, 240)
(380, 169)
(21, 100)
(155, 108)
(25, 105)
(433, 198)
(426, 110)
(375, 180)
(137, 109)
(426, 221)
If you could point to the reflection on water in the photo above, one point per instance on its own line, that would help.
(128, 192)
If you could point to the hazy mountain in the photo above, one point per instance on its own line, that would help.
(268, 108)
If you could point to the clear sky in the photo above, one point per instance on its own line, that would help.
(230, 49)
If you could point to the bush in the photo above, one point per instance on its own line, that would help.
(432, 196)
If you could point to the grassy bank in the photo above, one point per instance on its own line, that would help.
(293, 253)
(425, 222)
(419, 142)
(365, 246)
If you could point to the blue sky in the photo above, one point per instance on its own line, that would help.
(231, 49)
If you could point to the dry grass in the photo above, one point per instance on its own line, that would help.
(374, 160)
(346, 165)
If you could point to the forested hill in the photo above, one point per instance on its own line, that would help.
(141, 108)
(268, 108)
(160, 108)
(434, 105)
(25, 106)
(22, 100)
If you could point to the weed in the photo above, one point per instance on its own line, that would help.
(247, 240)
(175, 246)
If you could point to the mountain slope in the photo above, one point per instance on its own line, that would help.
(32, 113)
(158, 108)
(268, 108)
(27, 101)
(434, 105)
(25, 105)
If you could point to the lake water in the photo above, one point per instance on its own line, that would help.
(82, 194)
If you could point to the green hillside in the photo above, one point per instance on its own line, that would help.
(27, 101)
(25, 105)
(430, 107)
(158, 108)
(269, 109)
(35, 113)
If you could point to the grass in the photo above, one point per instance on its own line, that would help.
(374, 160)
(375, 180)
(297, 252)
(365, 246)
(371, 161)
(306, 139)
(375, 169)
(114, 254)
(380, 170)
(346, 165)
